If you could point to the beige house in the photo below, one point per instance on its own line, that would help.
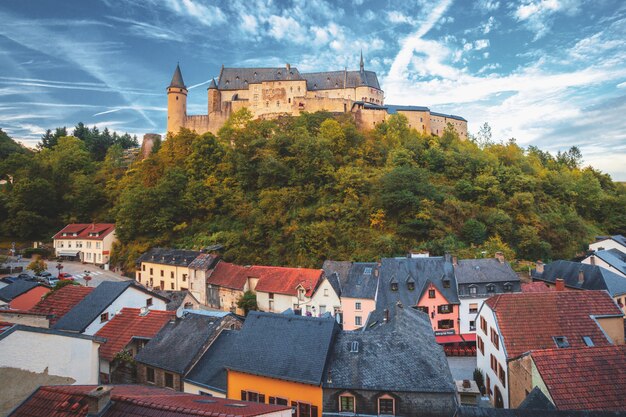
(227, 283)
(168, 269)
(89, 243)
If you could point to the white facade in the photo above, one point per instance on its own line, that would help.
(91, 251)
(594, 260)
(607, 244)
(61, 355)
(484, 359)
(468, 314)
(324, 300)
(131, 297)
(277, 303)
(199, 389)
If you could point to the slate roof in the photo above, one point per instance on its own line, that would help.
(204, 262)
(529, 321)
(177, 79)
(175, 298)
(401, 355)
(210, 370)
(177, 344)
(590, 378)
(330, 80)
(84, 229)
(164, 256)
(618, 238)
(423, 271)
(595, 277)
(393, 108)
(16, 289)
(337, 273)
(448, 116)
(362, 281)
(129, 323)
(536, 400)
(613, 257)
(94, 303)
(471, 271)
(59, 302)
(240, 78)
(287, 347)
(136, 401)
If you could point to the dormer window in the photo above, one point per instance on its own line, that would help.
(354, 347)
(367, 271)
(410, 286)
(508, 287)
(473, 290)
(588, 341)
(64, 234)
(491, 288)
(301, 294)
(446, 283)
(561, 341)
(394, 286)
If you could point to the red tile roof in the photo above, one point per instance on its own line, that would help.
(536, 287)
(59, 302)
(275, 279)
(529, 321)
(128, 323)
(592, 378)
(83, 230)
(137, 400)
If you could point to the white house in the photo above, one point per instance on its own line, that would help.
(90, 243)
(612, 259)
(609, 242)
(280, 288)
(104, 302)
(325, 298)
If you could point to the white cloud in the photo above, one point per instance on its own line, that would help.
(249, 23)
(147, 30)
(488, 5)
(288, 28)
(481, 44)
(537, 14)
(207, 15)
(489, 25)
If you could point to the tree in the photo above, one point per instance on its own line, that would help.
(37, 265)
(247, 302)
(474, 231)
(484, 136)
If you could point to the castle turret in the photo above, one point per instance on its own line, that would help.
(176, 102)
(362, 64)
(215, 98)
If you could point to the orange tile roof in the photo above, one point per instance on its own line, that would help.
(83, 229)
(128, 323)
(137, 400)
(529, 321)
(591, 378)
(59, 302)
(229, 276)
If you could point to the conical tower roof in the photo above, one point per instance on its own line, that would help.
(213, 85)
(177, 79)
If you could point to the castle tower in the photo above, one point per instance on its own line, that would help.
(362, 64)
(215, 98)
(176, 102)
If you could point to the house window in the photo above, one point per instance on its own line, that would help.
(394, 286)
(501, 375)
(184, 277)
(561, 341)
(488, 385)
(97, 245)
(346, 403)
(151, 272)
(357, 320)
(149, 302)
(104, 317)
(304, 410)
(252, 396)
(162, 273)
(508, 287)
(88, 245)
(446, 283)
(444, 308)
(322, 309)
(445, 324)
(143, 267)
(491, 288)
(431, 293)
(494, 338)
(473, 308)
(386, 406)
(494, 364)
(480, 344)
(169, 380)
(325, 292)
(422, 308)
(279, 401)
(271, 305)
(472, 325)
(150, 375)
(162, 285)
(271, 295)
(588, 341)
(172, 285)
(483, 324)
(301, 294)
(171, 274)
(357, 306)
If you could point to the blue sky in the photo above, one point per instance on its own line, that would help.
(547, 72)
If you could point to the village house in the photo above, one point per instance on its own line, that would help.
(94, 311)
(512, 325)
(394, 367)
(280, 359)
(325, 299)
(479, 279)
(577, 276)
(89, 243)
(180, 300)
(281, 288)
(609, 242)
(126, 334)
(166, 269)
(169, 356)
(61, 301)
(358, 294)
(135, 400)
(425, 283)
(227, 283)
(22, 295)
(586, 378)
(612, 259)
(199, 270)
(336, 272)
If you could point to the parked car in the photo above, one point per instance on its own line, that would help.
(63, 276)
(44, 274)
(51, 280)
(9, 280)
(26, 277)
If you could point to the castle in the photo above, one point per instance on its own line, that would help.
(272, 92)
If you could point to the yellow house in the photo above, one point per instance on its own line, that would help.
(166, 269)
(277, 374)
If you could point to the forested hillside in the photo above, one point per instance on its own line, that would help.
(298, 190)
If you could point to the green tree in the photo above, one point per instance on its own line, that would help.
(37, 265)
(247, 302)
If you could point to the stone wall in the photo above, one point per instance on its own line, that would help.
(520, 380)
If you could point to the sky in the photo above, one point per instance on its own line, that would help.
(550, 73)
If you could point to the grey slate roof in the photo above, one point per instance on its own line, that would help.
(330, 80)
(177, 79)
(401, 355)
(337, 273)
(393, 108)
(594, 277)
(213, 85)
(536, 400)
(423, 271)
(449, 116)
(180, 257)
(210, 370)
(177, 344)
(175, 298)
(17, 288)
(204, 262)
(240, 78)
(613, 257)
(362, 281)
(474, 271)
(292, 348)
(618, 238)
(90, 307)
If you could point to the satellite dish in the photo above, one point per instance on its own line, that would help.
(180, 313)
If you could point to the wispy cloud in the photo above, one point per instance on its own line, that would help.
(148, 30)
(537, 15)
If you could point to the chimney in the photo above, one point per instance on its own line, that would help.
(592, 259)
(386, 318)
(447, 257)
(466, 383)
(98, 400)
(500, 257)
(288, 68)
(455, 260)
(539, 267)
(581, 277)
(560, 284)
(143, 311)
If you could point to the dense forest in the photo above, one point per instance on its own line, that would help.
(298, 190)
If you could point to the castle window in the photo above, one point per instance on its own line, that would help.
(176, 98)
(278, 104)
(289, 100)
(237, 78)
(291, 89)
(298, 89)
(267, 104)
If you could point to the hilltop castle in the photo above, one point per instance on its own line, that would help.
(272, 92)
